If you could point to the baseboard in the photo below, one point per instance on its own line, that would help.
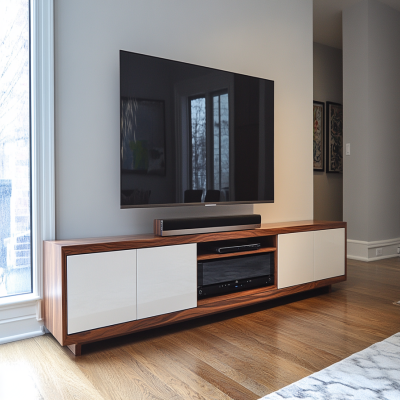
(20, 321)
(366, 251)
(351, 257)
(22, 336)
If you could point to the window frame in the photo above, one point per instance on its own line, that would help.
(42, 164)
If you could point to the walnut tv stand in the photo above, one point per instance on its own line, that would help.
(100, 288)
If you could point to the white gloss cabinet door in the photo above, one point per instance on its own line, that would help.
(101, 289)
(295, 259)
(166, 279)
(329, 253)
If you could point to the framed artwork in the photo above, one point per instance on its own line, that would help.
(142, 136)
(318, 135)
(334, 137)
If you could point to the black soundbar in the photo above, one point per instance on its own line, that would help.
(189, 226)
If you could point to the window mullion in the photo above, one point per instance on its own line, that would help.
(42, 112)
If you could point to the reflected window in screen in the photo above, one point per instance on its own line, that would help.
(221, 141)
(198, 143)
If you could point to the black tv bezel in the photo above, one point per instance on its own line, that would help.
(197, 204)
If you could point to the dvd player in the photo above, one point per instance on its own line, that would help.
(234, 286)
(237, 248)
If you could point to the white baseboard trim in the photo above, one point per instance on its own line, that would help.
(366, 251)
(20, 321)
(369, 259)
(22, 336)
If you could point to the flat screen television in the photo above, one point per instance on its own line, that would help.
(193, 135)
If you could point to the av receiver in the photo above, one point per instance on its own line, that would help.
(233, 274)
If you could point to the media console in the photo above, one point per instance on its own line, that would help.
(100, 288)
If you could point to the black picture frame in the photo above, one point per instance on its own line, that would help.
(143, 136)
(318, 135)
(334, 137)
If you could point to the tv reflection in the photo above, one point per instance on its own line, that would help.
(192, 134)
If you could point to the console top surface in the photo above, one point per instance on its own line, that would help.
(151, 240)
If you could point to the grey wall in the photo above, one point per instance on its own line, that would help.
(328, 86)
(271, 39)
(371, 65)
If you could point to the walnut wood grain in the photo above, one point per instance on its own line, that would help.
(53, 309)
(212, 256)
(275, 244)
(345, 252)
(55, 280)
(94, 245)
(64, 296)
(76, 349)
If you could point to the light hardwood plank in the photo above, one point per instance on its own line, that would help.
(284, 345)
(46, 369)
(225, 362)
(118, 376)
(188, 381)
(254, 358)
(209, 374)
(13, 370)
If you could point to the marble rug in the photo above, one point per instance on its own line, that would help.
(373, 373)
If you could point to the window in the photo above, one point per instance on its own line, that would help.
(203, 105)
(34, 163)
(198, 143)
(15, 160)
(209, 147)
(220, 142)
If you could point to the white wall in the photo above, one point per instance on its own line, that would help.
(355, 122)
(271, 39)
(328, 86)
(371, 121)
(384, 122)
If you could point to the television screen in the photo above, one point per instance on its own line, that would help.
(193, 135)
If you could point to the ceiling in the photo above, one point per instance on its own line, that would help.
(328, 19)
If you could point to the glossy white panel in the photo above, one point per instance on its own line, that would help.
(101, 289)
(329, 253)
(295, 258)
(167, 279)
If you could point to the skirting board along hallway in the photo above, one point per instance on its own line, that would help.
(373, 251)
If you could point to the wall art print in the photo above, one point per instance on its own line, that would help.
(318, 135)
(334, 137)
(142, 136)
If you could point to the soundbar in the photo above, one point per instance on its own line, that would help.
(190, 226)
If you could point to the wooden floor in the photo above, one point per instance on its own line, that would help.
(244, 354)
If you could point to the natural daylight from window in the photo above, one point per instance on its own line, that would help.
(15, 163)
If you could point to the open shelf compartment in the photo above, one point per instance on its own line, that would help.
(206, 251)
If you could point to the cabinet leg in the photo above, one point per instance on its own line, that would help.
(76, 349)
(329, 288)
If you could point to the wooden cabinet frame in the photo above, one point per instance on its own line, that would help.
(55, 278)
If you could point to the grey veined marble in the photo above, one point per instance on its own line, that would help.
(373, 373)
